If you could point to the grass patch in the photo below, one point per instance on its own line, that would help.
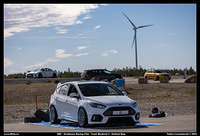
(47, 80)
(164, 96)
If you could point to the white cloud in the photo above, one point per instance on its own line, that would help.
(81, 47)
(60, 53)
(61, 30)
(97, 27)
(107, 52)
(79, 22)
(40, 64)
(86, 17)
(113, 51)
(13, 71)
(19, 48)
(7, 62)
(52, 60)
(23, 17)
(82, 54)
(104, 54)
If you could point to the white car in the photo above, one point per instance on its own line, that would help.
(91, 102)
(42, 72)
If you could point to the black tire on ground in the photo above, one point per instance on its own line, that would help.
(82, 118)
(31, 119)
(53, 117)
(42, 115)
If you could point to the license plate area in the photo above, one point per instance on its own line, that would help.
(122, 112)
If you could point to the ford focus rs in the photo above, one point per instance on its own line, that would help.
(91, 102)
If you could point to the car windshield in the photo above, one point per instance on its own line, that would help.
(99, 90)
(38, 69)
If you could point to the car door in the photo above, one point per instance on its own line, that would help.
(43, 71)
(61, 101)
(73, 103)
(49, 72)
(150, 73)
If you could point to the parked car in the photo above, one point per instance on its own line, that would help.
(156, 74)
(91, 102)
(42, 72)
(99, 74)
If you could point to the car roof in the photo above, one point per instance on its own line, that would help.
(86, 82)
(94, 69)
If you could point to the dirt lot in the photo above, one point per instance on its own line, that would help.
(174, 98)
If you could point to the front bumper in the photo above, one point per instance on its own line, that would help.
(103, 116)
(31, 75)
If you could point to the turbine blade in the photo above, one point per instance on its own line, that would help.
(143, 26)
(129, 20)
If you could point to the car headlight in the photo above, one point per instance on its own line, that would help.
(96, 105)
(134, 104)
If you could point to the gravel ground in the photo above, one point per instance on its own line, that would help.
(173, 98)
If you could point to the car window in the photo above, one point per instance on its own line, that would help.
(99, 90)
(94, 71)
(107, 72)
(38, 69)
(72, 89)
(63, 90)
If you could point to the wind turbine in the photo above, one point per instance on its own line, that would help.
(135, 39)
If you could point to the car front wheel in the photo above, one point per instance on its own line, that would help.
(53, 117)
(82, 118)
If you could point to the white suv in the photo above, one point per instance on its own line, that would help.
(42, 72)
(91, 102)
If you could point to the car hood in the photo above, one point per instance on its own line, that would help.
(165, 73)
(110, 100)
(33, 72)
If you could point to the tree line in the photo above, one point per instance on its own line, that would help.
(127, 71)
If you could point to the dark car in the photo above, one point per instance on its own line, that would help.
(99, 74)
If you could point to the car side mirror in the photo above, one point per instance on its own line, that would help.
(124, 92)
(73, 95)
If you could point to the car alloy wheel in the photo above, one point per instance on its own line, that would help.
(82, 117)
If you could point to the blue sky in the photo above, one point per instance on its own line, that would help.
(81, 36)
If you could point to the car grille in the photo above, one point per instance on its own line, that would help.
(109, 112)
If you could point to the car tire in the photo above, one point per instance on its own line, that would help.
(42, 115)
(32, 119)
(53, 116)
(157, 78)
(82, 118)
(54, 75)
(40, 75)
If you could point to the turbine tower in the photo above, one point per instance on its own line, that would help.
(134, 38)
